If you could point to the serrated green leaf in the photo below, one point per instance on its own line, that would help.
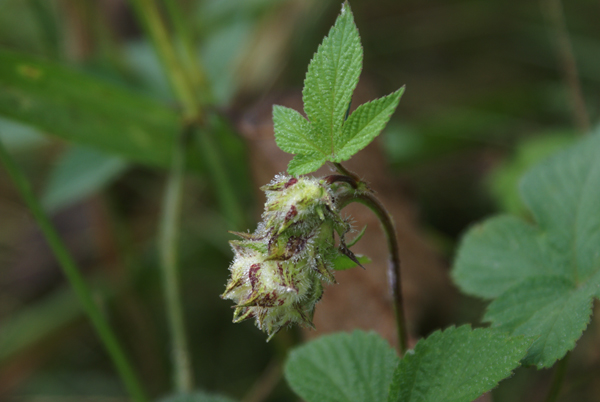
(331, 78)
(365, 124)
(343, 367)
(80, 172)
(503, 181)
(303, 164)
(509, 249)
(543, 277)
(546, 307)
(197, 396)
(330, 81)
(83, 109)
(293, 133)
(456, 365)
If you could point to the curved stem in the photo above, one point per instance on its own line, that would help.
(169, 230)
(557, 379)
(369, 200)
(72, 272)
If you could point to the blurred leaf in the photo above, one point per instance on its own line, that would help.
(85, 110)
(504, 180)
(142, 58)
(343, 367)
(18, 27)
(28, 326)
(456, 365)
(79, 173)
(197, 396)
(16, 136)
(542, 278)
(219, 55)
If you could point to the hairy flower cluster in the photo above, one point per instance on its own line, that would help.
(277, 271)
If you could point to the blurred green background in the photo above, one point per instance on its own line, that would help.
(487, 96)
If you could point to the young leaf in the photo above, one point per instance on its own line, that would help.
(331, 78)
(365, 124)
(544, 277)
(303, 164)
(293, 133)
(343, 367)
(456, 365)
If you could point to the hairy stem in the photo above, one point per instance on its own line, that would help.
(557, 380)
(168, 248)
(71, 271)
(369, 200)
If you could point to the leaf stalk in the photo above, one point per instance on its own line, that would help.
(169, 256)
(394, 265)
(557, 380)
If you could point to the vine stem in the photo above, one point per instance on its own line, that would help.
(369, 200)
(168, 250)
(149, 15)
(184, 87)
(189, 58)
(72, 272)
(557, 380)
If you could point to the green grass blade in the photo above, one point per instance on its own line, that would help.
(80, 108)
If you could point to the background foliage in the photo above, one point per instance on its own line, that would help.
(87, 111)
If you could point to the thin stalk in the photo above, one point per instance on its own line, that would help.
(76, 280)
(225, 193)
(370, 201)
(169, 239)
(50, 33)
(149, 15)
(568, 64)
(189, 55)
(557, 380)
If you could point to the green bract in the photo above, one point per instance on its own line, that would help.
(277, 271)
(329, 134)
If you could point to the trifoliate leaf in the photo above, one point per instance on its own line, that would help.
(303, 164)
(544, 276)
(343, 367)
(456, 365)
(293, 133)
(330, 81)
(365, 124)
(331, 78)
